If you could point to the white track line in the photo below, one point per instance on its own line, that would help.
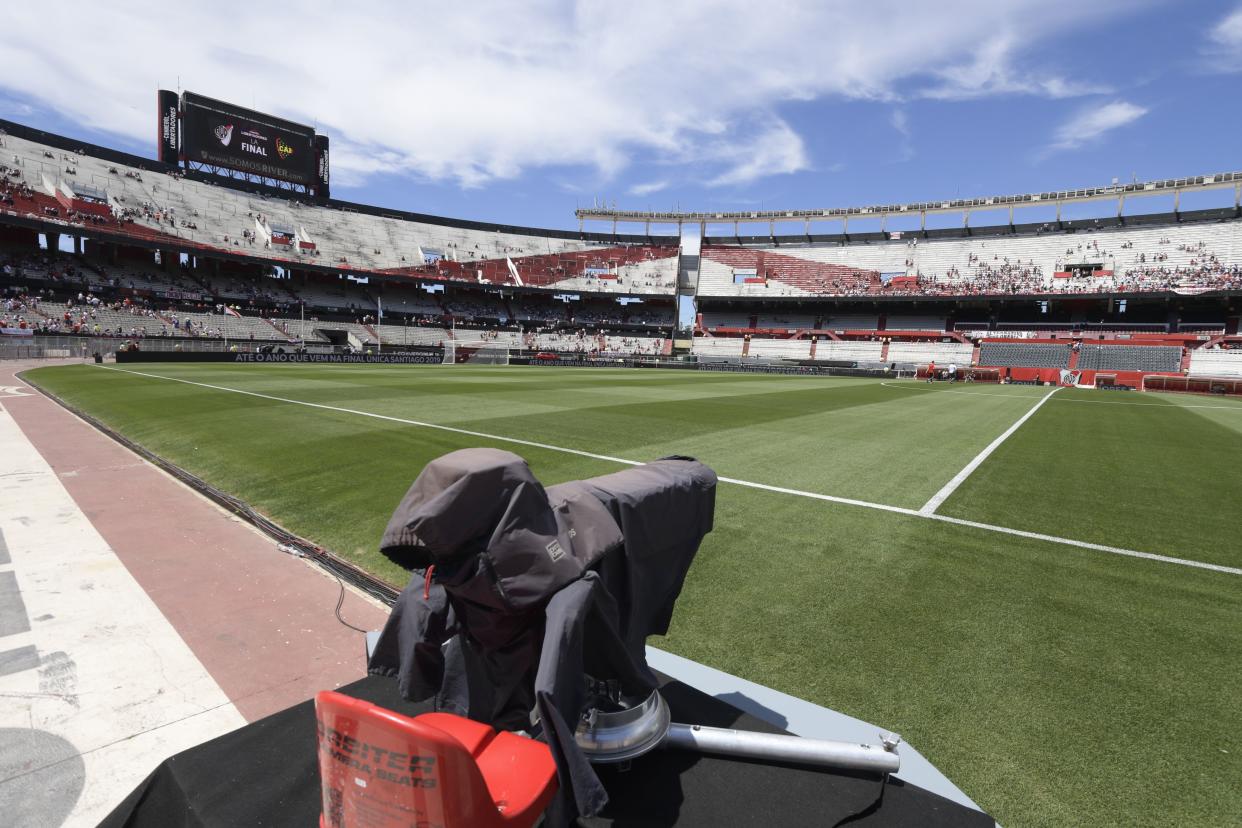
(930, 507)
(866, 504)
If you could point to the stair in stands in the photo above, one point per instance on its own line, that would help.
(276, 328)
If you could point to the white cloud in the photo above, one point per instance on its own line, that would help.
(1091, 123)
(901, 123)
(647, 188)
(773, 150)
(474, 92)
(15, 109)
(990, 71)
(1223, 51)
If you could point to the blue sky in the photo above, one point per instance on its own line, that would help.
(518, 113)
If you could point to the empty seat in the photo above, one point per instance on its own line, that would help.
(1216, 363)
(1024, 355)
(921, 352)
(784, 348)
(1130, 358)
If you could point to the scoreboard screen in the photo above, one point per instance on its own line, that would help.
(224, 135)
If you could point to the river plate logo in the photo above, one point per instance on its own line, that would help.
(224, 133)
(283, 149)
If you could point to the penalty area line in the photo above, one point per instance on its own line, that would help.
(1098, 547)
(865, 504)
(930, 507)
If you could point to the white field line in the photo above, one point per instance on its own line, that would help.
(1171, 406)
(866, 504)
(1099, 547)
(930, 507)
(401, 420)
(912, 386)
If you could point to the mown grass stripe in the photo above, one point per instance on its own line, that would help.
(729, 480)
(933, 503)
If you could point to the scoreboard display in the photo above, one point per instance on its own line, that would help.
(224, 135)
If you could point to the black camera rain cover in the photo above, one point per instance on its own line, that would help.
(487, 502)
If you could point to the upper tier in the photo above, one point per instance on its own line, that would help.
(101, 193)
(1184, 258)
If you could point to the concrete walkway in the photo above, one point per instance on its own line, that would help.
(136, 618)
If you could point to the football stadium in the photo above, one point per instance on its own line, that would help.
(911, 513)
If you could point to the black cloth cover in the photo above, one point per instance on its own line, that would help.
(267, 773)
(484, 507)
(524, 626)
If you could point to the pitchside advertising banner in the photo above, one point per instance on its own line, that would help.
(217, 133)
(430, 357)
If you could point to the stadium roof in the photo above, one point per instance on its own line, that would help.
(1174, 186)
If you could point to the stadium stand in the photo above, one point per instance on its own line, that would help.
(726, 271)
(508, 339)
(782, 348)
(1175, 257)
(305, 330)
(860, 352)
(571, 342)
(142, 305)
(476, 307)
(649, 315)
(1216, 362)
(402, 300)
(918, 353)
(417, 335)
(163, 250)
(1024, 355)
(157, 207)
(1129, 358)
(715, 319)
(785, 320)
(228, 327)
(915, 323)
(338, 296)
(642, 345)
(852, 322)
(718, 346)
(64, 317)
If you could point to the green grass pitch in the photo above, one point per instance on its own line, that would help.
(1056, 685)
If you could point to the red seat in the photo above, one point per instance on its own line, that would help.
(381, 768)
